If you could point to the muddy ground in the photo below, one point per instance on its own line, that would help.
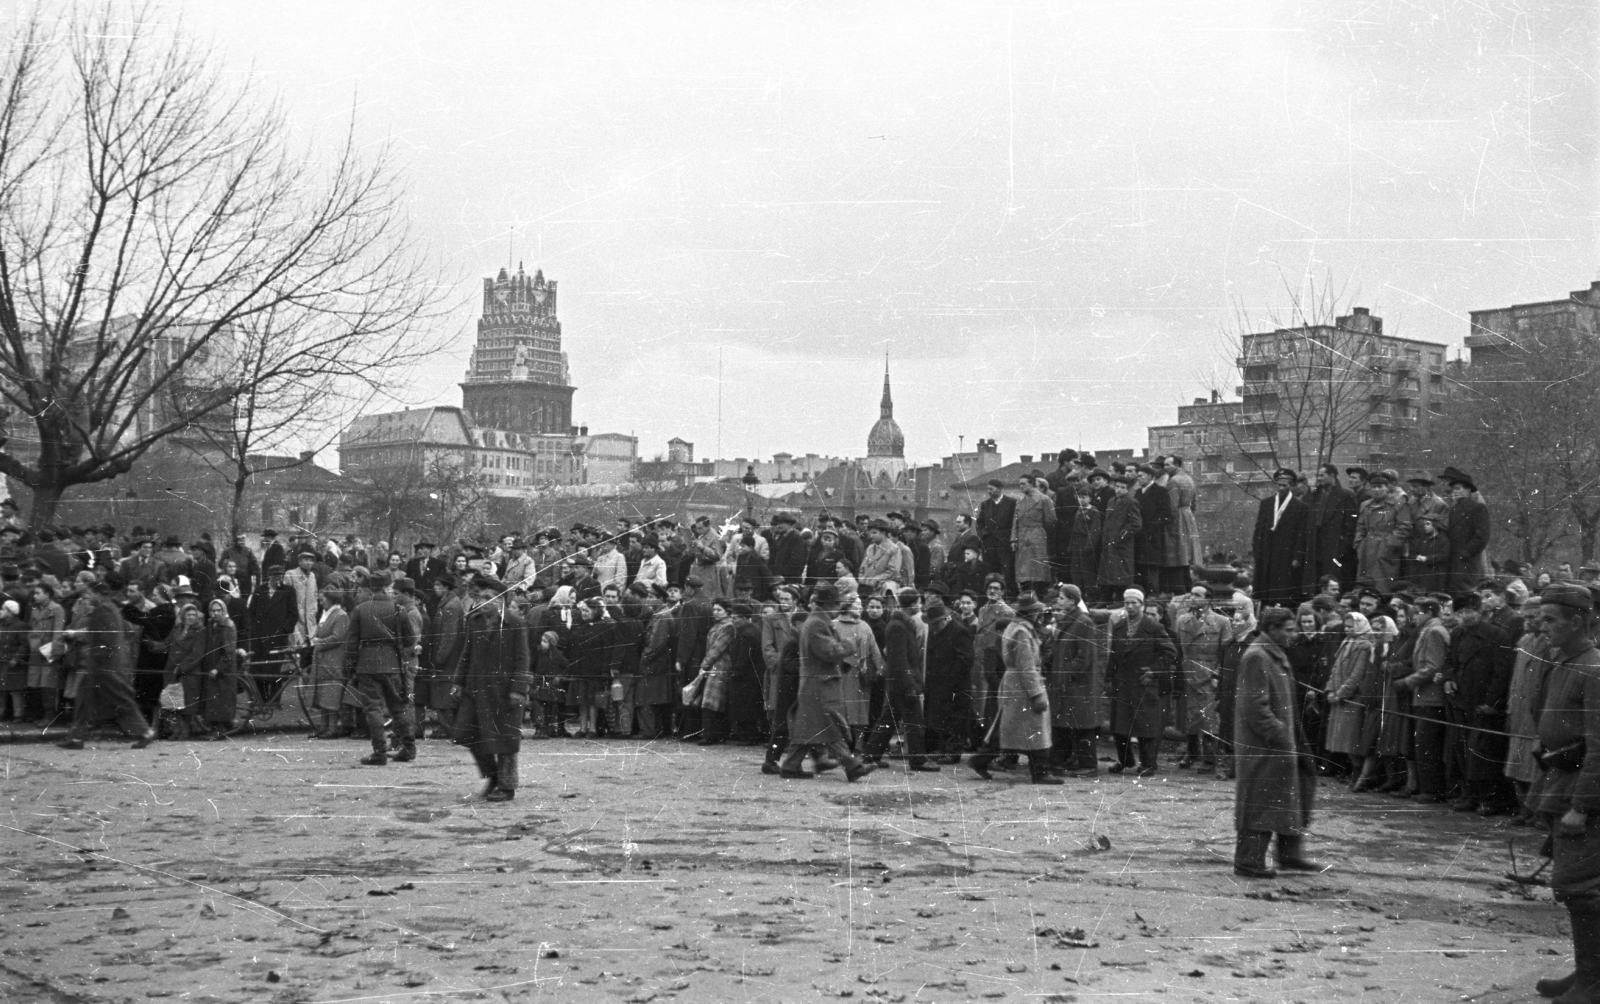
(275, 868)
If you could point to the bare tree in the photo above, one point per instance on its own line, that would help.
(1528, 427)
(155, 226)
(430, 496)
(1311, 385)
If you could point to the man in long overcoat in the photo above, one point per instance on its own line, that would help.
(1117, 533)
(1330, 531)
(818, 715)
(1156, 517)
(1073, 685)
(1468, 530)
(947, 700)
(1276, 780)
(1385, 525)
(1141, 654)
(1203, 637)
(492, 680)
(995, 516)
(105, 691)
(1279, 543)
(1033, 525)
(904, 676)
(1063, 482)
(1022, 721)
(375, 648)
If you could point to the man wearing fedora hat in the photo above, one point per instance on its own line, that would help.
(817, 717)
(1469, 530)
(1022, 718)
(375, 646)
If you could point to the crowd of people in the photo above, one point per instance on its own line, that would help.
(1369, 641)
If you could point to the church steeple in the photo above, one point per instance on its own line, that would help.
(886, 439)
(886, 406)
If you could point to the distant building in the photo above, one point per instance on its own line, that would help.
(507, 460)
(782, 467)
(1380, 391)
(518, 378)
(1498, 332)
(885, 462)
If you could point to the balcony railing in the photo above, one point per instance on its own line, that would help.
(1257, 447)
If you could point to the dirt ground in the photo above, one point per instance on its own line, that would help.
(275, 868)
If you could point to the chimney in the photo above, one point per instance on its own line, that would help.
(306, 455)
(1026, 458)
(1216, 397)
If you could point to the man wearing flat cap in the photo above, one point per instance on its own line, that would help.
(1279, 543)
(379, 636)
(1383, 530)
(1425, 501)
(104, 691)
(995, 516)
(1567, 793)
(1469, 529)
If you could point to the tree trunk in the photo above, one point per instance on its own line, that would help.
(46, 498)
(241, 480)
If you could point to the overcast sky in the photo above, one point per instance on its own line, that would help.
(1050, 215)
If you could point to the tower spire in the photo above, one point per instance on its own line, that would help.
(886, 406)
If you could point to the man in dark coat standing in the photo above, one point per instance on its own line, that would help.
(995, 516)
(378, 636)
(1276, 782)
(694, 623)
(1279, 543)
(902, 707)
(1468, 530)
(1477, 687)
(788, 550)
(1061, 482)
(424, 568)
(1330, 532)
(1142, 653)
(272, 615)
(947, 700)
(1073, 684)
(492, 680)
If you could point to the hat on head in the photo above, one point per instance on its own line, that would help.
(1419, 478)
(1120, 479)
(274, 569)
(269, 533)
(1456, 476)
(935, 610)
(694, 581)
(1028, 605)
(996, 483)
(1087, 460)
(1567, 594)
(379, 580)
(1098, 473)
(938, 588)
(1391, 475)
(421, 544)
(1133, 594)
(1285, 472)
(1072, 591)
(878, 524)
(1362, 471)
(826, 595)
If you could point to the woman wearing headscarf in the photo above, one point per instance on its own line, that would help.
(1374, 696)
(186, 665)
(715, 670)
(327, 667)
(589, 659)
(1351, 666)
(222, 669)
(862, 670)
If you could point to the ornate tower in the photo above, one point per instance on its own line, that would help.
(518, 378)
(886, 444)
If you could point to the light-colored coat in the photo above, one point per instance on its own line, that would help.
(327, 659)
(1273, 793)
(1382, 530)
(1017, 726)
(1031, 530)
(1182, 489)
(1351, 665)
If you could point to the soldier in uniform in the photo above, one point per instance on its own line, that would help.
(380, 636)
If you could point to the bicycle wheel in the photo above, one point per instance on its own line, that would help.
(247, 703)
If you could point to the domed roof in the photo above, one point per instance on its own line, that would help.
(886, 439)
